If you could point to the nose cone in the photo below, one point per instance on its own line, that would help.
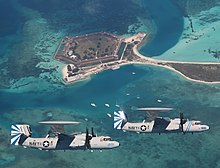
(113, 144)
(116, 144)
(205, 127)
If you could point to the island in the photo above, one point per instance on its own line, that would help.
(89, 54)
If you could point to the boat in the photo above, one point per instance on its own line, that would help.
(133, 73)
(107, 105)
(109, 115)
(93, 104)
(159, 101)
(115, 67)
(117, 105)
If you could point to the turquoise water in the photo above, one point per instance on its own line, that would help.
(32, 93)
(195, 46)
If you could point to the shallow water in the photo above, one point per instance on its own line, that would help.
(38, 95)
(200, 45)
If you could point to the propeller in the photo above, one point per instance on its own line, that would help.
(182, 122)
(88, 138)
(93, 134)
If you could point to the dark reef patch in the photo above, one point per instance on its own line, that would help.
(78, 17)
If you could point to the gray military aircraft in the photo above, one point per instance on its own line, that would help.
(158, 124)
(57, 139)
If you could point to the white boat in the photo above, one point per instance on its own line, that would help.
(117, 105)
(138, 97)
(93, 104)
(115, 67)
(133, 73)
(109, 115)
(107, 105)
(128, 94)
(159, 101)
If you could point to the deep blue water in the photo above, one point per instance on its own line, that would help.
(10, 20)
(10, 26)
(169, 22)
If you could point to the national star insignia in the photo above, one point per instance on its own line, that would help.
(45, 143)
(143, 127)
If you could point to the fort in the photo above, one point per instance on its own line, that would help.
(89, 49)
(89, 54)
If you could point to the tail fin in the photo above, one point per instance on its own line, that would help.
(17, 131)
(119, 119)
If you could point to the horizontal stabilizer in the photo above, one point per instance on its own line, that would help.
(119, 119)
(17, 131)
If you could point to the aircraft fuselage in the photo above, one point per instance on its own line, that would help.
(164, 126)
(66, 142)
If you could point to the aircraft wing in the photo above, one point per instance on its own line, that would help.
(160, 124)
(58, 126)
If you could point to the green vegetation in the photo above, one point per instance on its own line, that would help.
(89, 49)
(94, 46)
(69, 68)
(204, 72)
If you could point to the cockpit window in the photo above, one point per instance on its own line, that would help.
(197, 123)
(106, 139)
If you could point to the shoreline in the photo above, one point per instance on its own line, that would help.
(139, 59)
(176, 71)
(139, 63)
(156, 62)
